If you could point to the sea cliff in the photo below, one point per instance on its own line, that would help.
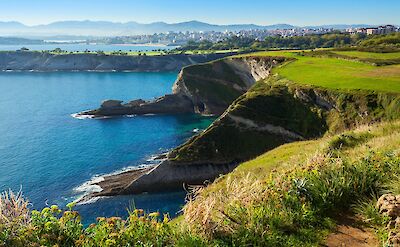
(207, 88)
(258, 111)
(44, 61)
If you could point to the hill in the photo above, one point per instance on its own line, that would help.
(106, 28)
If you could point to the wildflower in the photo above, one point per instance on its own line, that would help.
(71, 205)
(138, 211)
(54, 208)
(45, 210)
(100, 219)
(166, 218)
(154, 215)
(48, 226)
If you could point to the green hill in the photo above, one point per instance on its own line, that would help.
(308, 96)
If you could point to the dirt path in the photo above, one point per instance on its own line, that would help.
(351, 234)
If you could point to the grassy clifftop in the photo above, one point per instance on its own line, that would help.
(305, 98)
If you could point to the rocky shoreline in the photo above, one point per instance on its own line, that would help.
(48, 62)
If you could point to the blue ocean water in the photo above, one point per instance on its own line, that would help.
(84, 47)
(49, 153)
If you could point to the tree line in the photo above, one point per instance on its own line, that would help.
(329, 40)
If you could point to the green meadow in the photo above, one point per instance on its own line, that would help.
(360, 54)
(339, 73)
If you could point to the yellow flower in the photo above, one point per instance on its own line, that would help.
(100, 219)
(154, 215)
(166, 218)
(48, 226)
(138, 211)
(54, 208)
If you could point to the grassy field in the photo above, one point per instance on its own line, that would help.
(337, 73)
(359, 54)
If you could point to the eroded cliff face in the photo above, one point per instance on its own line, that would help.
(212, 87)
(40, 61)
(275, 112)
(207, 88)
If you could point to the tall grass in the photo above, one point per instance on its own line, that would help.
(295, 206)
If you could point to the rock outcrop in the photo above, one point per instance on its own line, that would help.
(43, 61)
(204, 89)
(168, 104)
(389, 205)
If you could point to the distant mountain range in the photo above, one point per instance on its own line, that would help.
(106, 28)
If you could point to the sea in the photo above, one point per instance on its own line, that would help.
(50, 156)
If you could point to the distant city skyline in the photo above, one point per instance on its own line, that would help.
(261, 12)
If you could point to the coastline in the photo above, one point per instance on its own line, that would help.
(114, 183)
(13, 61)
(111, 184)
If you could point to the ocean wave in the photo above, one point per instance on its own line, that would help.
(92, 186)
(83, 116)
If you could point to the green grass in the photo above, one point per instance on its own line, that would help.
(335, 73)
(289, 196)
(359, 54)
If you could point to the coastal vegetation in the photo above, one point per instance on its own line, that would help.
(330, 40)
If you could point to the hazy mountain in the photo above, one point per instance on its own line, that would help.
(106, 28)
(19, 41)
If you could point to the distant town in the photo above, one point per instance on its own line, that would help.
(181, 38)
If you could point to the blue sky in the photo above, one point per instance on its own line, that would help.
(307, 12)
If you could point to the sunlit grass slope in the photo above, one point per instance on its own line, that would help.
(339, 73)
(290, 196)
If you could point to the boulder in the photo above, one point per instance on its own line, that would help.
(137, 102)
(111, 103)
(389, 205)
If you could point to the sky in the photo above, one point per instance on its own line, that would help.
(263, 12)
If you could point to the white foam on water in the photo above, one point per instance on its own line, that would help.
(91, 185)
(90, 201)
(83, 116)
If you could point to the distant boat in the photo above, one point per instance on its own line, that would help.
(196, 130)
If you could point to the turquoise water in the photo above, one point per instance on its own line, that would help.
(50, 154)
(83, 47)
